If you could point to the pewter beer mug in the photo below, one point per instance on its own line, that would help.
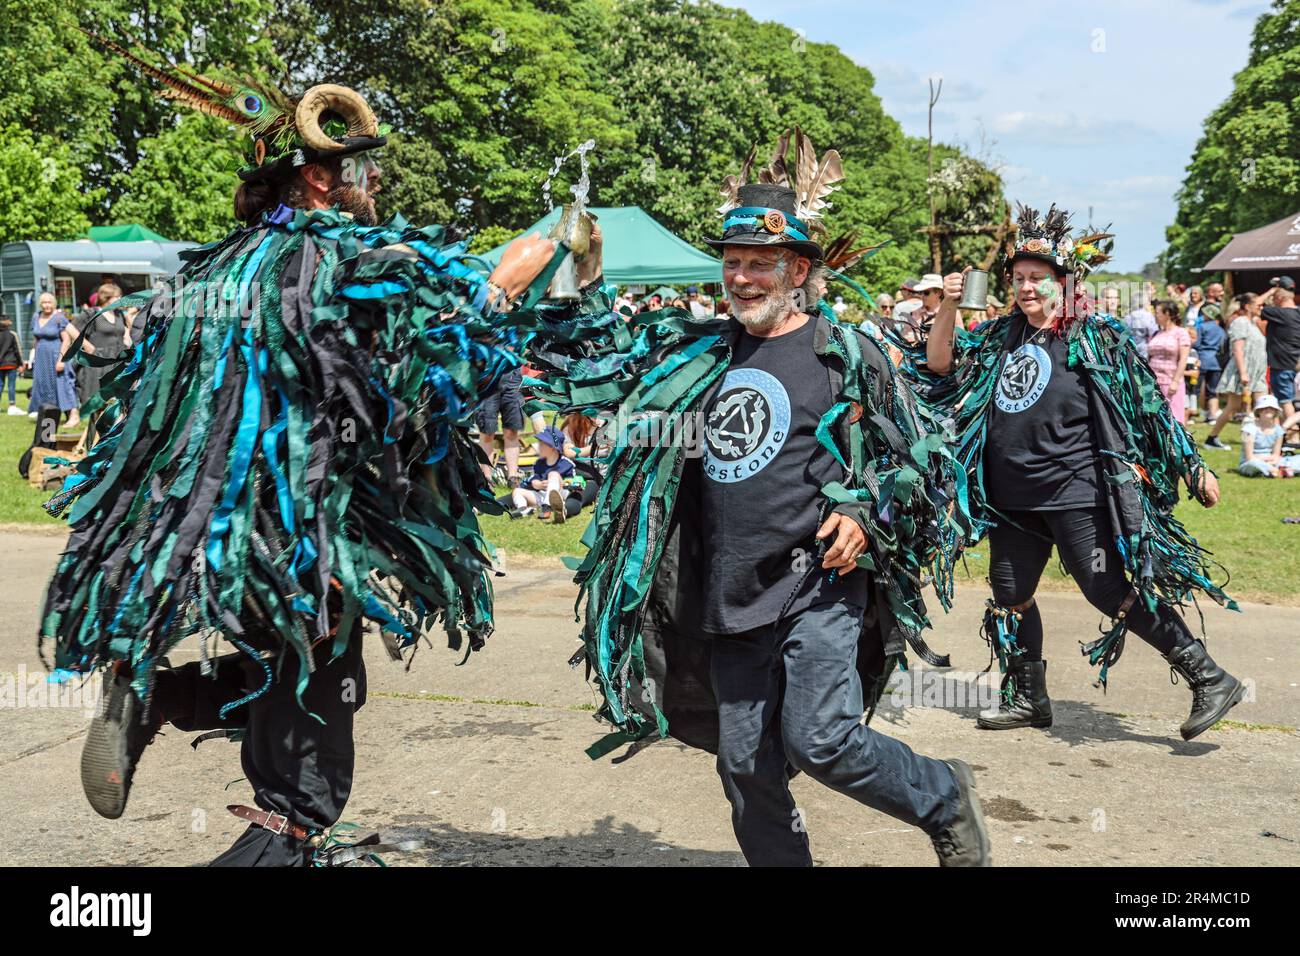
(573, 228)
(975, 291)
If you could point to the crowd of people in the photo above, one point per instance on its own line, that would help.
(699, 303)
(568, 466)
(567, 471)
(1215, 361)
(61, 385)
(1222, 360)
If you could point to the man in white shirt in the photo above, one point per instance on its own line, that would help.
(701, 308)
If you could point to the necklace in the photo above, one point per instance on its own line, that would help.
(1037, 338)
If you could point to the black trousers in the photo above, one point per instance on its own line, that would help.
(1087, 548)
(297, 766)
(579, 498)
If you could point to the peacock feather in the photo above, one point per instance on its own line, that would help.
(252, 103)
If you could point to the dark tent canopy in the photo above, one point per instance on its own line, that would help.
(1275, 248)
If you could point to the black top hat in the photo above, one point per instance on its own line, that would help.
(766, 217)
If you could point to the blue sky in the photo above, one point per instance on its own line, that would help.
(1097, 103)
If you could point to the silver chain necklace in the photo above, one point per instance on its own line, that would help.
(1037, 338)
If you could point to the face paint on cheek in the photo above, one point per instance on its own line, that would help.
(1049, 292)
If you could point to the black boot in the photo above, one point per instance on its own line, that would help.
(1214, 690)
(965, 841)
(117, 737)
(1029, 705)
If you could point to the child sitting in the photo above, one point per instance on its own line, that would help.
(544, 489)
(1261, 443)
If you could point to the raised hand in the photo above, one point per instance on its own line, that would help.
(522, 262)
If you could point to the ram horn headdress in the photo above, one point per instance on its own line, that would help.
(327, 120)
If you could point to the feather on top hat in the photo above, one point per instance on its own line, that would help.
(1048, 238)
(327, 121)
(783, 209)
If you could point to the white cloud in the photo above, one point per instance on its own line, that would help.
(1112, 127)
(1063, 128)
(1140, 185)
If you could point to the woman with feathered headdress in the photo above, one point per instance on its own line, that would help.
(1066, 440)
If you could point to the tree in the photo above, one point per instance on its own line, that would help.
(41, 193)
(483, 94)
(1245, 170)
(58, 82)
(184, 183)
(763, 78)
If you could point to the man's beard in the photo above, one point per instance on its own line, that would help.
(777, 306)
(354, 200)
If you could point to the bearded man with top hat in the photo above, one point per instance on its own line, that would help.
(1065, 439)
(771, 500)
(284, 456)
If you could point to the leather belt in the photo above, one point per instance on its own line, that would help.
(268, 820)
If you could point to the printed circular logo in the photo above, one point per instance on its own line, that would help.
(1024, 378)
(747, 425)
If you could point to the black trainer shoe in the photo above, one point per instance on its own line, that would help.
(1217, 442)
(965, 841)
(116, 739)
(1028, 704)
(1214, 690)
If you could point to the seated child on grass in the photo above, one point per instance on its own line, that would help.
(544, 489)
(1261, 444)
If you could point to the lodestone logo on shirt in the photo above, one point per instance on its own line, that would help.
(747, 425)
(1024, 378)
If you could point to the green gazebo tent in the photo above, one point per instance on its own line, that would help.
(126, 232)
(637, 249)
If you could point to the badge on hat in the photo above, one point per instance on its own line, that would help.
(774, 222)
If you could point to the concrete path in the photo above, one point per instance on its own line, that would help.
(486, 761)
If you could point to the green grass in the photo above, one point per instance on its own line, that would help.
(20, 503)
(534, 537)
(1244, 531)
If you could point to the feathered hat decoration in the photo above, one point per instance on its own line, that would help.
(1048, 238)
(841, 256)
(785, 205)
(811, 179)
(326, 121)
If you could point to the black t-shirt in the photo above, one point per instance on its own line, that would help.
(763, 471)
(1039, 455)
(1283, 336)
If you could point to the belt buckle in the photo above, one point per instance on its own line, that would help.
(284, 824)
